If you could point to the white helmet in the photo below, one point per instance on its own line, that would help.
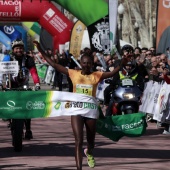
(17, 42)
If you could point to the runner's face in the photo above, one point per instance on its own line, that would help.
(18, 51)
(86, 65)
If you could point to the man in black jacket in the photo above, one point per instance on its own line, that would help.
(26, 65)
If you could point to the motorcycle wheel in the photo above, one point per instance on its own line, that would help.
(17, 132)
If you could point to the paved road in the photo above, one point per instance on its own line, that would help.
(52, 148)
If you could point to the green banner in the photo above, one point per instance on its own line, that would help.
(41, 69)
(24, 104)
(87, 11)
(39, 104)
(115, 127)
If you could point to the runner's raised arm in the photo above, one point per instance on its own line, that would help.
(58, 67)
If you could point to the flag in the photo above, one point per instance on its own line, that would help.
(99, 35)
(11, 32)
(76, 39)
(115, 127)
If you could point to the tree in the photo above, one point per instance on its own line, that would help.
(141, 12)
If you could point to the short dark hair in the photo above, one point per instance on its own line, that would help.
(138, 48)
(144, 48)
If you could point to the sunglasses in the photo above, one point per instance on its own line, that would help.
(148, 54)
(162, 60)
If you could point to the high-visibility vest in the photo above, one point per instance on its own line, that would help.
(122, 76)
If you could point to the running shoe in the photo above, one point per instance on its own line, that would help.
(90, 159)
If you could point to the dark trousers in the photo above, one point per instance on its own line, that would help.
(58, 78)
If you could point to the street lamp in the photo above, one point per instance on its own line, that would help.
(121, 10)
(136, 31)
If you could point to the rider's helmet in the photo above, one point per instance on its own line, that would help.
(127, 48)
(17, 42)
(128, 67)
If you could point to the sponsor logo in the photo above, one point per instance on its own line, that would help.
(9, 2)
(80, 105)
(9, 29)
(15, 9)
(123, 127)
(10, 103)
(57, 106)
(79, 29)
(37, 105)
(49, 14)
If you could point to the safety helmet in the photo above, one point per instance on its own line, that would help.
(129, 63)
(127, 48)
(17, 42)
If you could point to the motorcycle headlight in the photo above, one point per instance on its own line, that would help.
(25, 87)
(128, 95)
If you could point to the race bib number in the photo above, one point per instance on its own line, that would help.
(127, 82)
(84, 89)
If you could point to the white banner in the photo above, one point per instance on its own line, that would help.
(73, 105)
(160, 106)
(9, 67)
(156, 100)
(100, 90)
(142, 107)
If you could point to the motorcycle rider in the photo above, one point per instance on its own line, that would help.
(131, 70)
(26, 66)
(126, 50)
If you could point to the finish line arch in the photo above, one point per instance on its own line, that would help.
(41, 11)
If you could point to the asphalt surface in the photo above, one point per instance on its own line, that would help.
(52, 148)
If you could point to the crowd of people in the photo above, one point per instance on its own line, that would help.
(143, 64)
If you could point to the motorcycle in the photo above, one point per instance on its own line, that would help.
(125, 99)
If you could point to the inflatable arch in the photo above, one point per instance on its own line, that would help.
(87, 11)
(44, 12)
